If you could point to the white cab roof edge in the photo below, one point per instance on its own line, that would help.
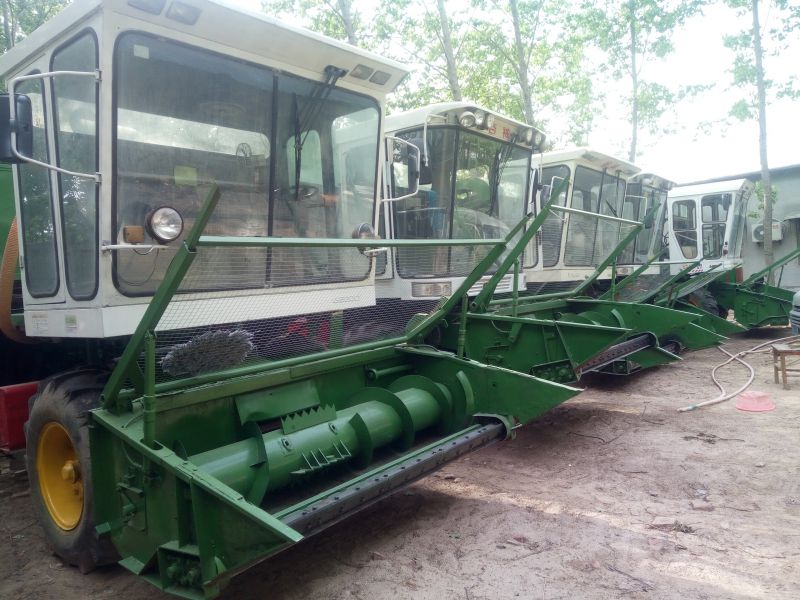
(418, 116)
(717, 187)
(653, 180)
(595, 157)
(228, 25)
(69, 18)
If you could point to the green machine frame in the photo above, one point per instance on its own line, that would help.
(202, 477)
(753, 301)
(652, 331)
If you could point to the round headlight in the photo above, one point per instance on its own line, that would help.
(490, 121)
(538, 139)
(363, 231)
(528, 135)
(467, 119)
(165, 224)
(480, 119)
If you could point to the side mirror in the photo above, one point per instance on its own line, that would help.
(544, 195)
(425, 176)
(22, 126)
(404, 169)
(535, 187)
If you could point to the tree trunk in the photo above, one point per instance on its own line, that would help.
(634, 85)
(7, 26)
(447, 46)
(347, 21)
(762, 140)
(522, 64)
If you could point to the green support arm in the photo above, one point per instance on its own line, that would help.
(777, 264)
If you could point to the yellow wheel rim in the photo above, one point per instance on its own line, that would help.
(59, 474)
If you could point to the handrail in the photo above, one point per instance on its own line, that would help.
(127, 369)
(12, 110)
(608, 261)
(577, 211)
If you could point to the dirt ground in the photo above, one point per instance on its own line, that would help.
(612, 495)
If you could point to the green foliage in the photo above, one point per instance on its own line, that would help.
(549, 76)
(780, 32)
(341, 20)
(20, 17)
(545, 71)
(631, 34)
(758, 213)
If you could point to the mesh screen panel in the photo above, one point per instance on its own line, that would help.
(644, 286)
(551, 287)
(551, 234)
(442, 261)
(590, 239)
(280, 303)
(697, 282)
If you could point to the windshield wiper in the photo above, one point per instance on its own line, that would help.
(302, 120)
(616, 194)
(501, 159)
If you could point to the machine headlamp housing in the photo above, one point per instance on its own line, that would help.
(164, 224)
(467, 119)
(480, 119)
(431, 289)
(183, 13)
(527, 135)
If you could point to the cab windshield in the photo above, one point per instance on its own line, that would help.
(478, 190)
(590, 240)
(290, 162)
(638, 203)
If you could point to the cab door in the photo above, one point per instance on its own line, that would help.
(684, 226)
(38, 223)
(551, 236)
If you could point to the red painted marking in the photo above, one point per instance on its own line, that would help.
(14, 413)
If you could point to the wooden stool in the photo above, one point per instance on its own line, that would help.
(779, 354)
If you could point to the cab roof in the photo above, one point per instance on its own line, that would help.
(653, 180)
(592, 156)
(221, 23)
(717, 187)
(419, 116)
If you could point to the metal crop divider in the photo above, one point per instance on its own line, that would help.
(780, 263)
(117, 398)
(609, 261)
(630, 279)
(692, 284)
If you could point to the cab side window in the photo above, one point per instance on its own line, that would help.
(75, 102)
(684, 224)
(37, 223)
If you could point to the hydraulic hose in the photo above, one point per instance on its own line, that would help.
(738, 358)
(8, 270)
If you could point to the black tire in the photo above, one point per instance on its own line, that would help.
(66, 400)
(704, 299)
(672, 344)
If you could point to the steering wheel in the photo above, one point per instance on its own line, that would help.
(303, 192)
(244, 150)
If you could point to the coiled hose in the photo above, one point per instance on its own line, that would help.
(738, 358)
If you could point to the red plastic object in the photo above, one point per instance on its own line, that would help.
(14, 413)
(755, 402)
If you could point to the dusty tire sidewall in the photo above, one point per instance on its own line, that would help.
(76, 546)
